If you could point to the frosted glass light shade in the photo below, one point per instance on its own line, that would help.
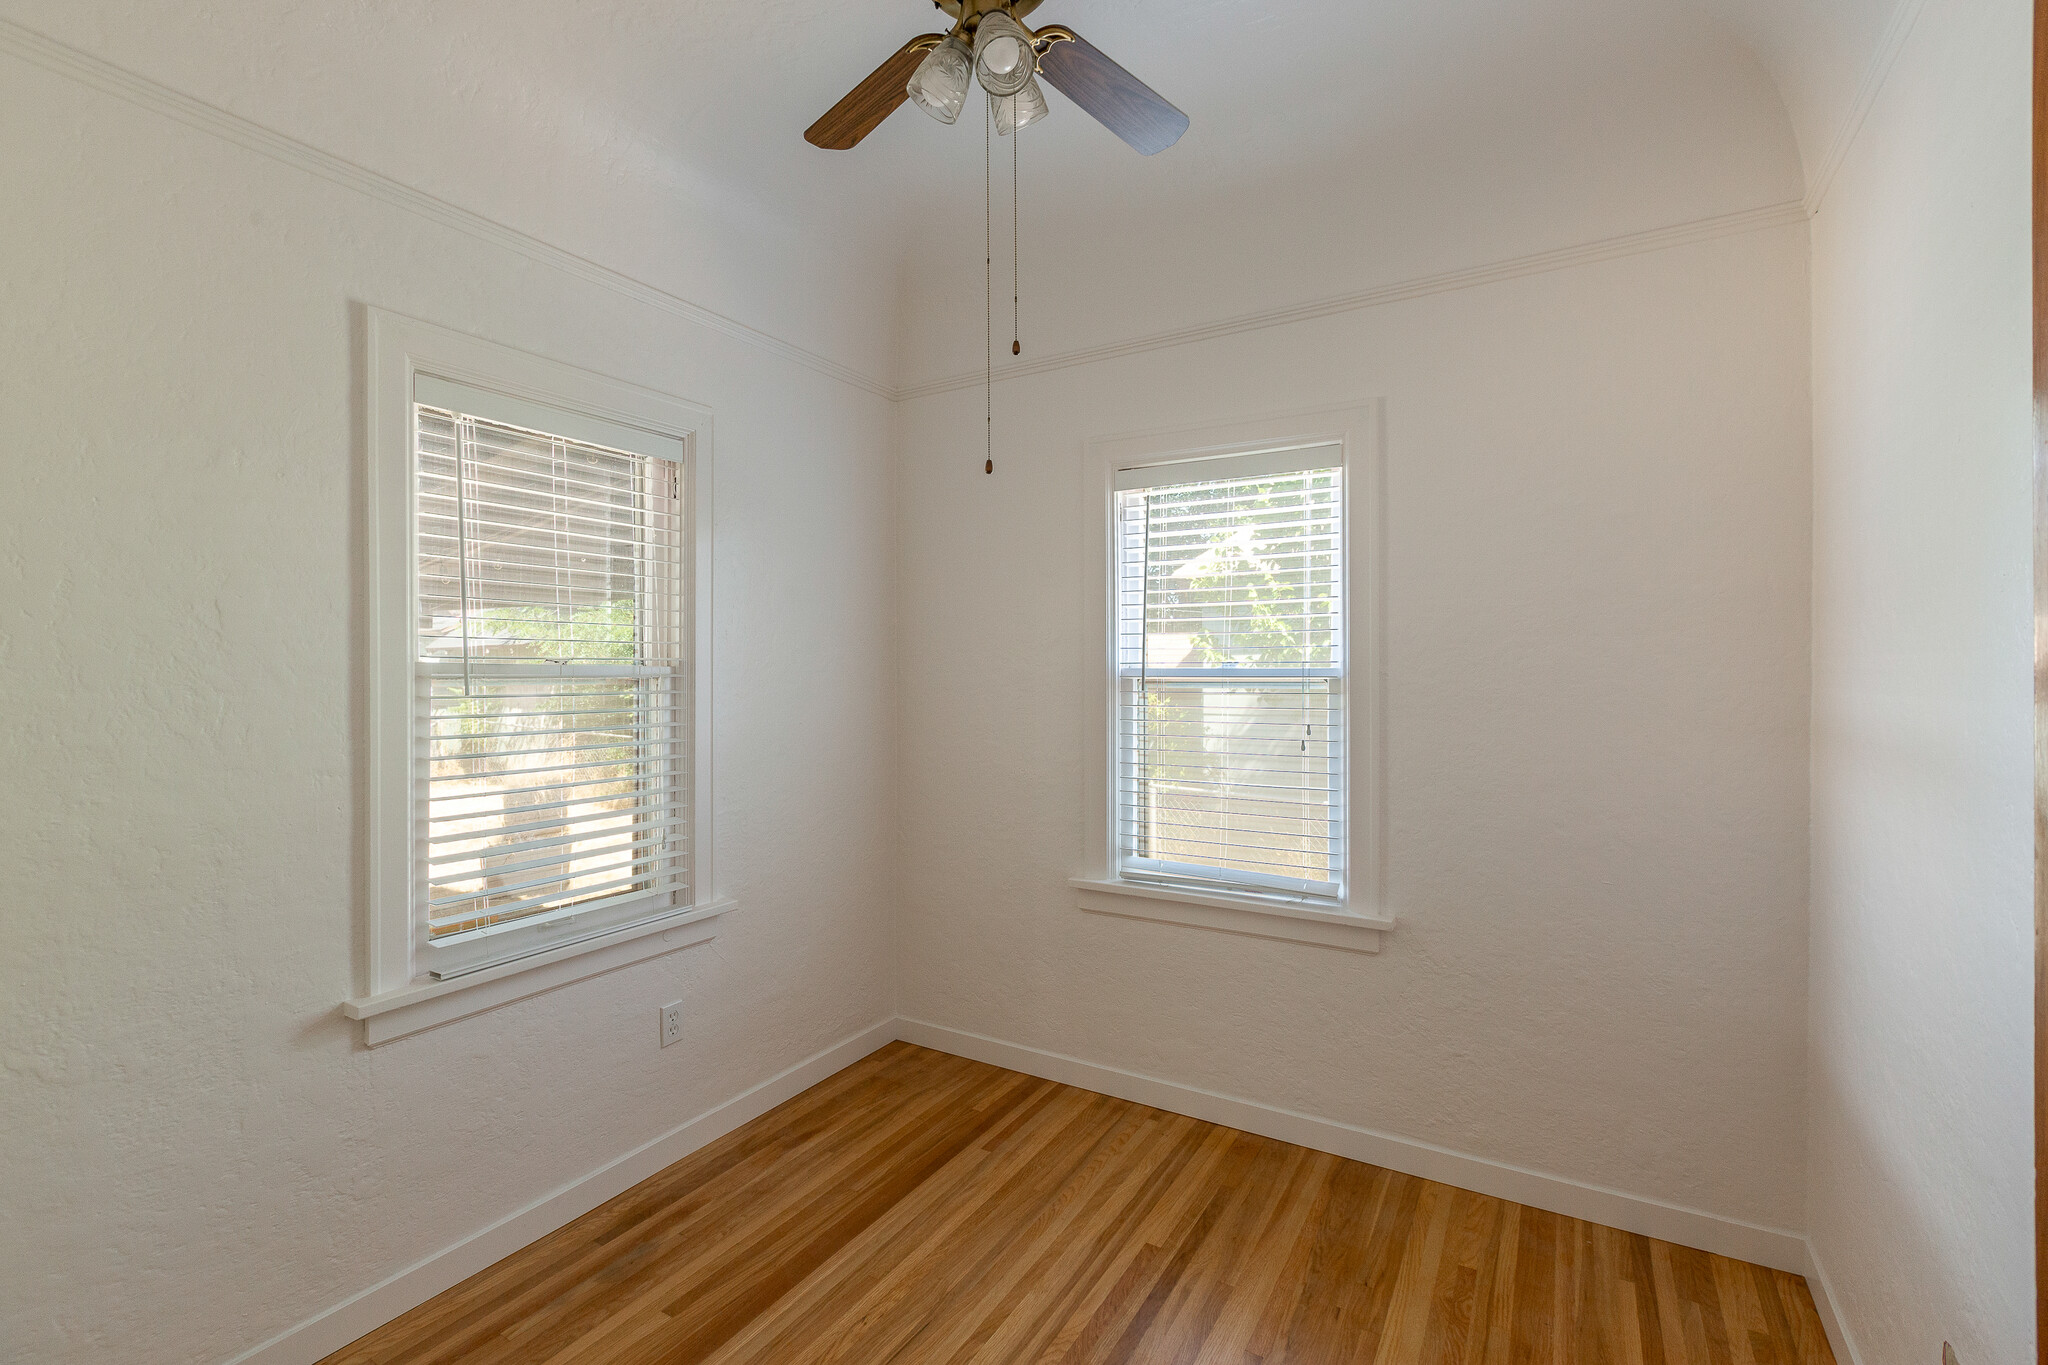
(939, 85)
(1020, 110)
(1003, 59)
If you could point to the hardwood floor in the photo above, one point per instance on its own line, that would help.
(920, 1208)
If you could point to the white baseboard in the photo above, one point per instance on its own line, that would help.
(1839, 1340)
(334, 1328)
(1772, 1247)
(329, 1331)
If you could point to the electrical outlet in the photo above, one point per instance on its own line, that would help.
(672, 1023)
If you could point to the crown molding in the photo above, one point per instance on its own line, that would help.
(145, 93)
(1874, 76)
(1611, 248)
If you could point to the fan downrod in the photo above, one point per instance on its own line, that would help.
(969, 12)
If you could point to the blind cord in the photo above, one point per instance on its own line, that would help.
(465, 433)
(558, 474)
(1146, 813)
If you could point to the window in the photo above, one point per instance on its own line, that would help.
(551, 715)
(539, 575)
(1230, 663)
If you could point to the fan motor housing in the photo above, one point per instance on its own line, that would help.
(968, 13)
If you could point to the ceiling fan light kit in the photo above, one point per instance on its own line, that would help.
(990, 43)
(1004, 54)
(939, 86)
(1020, 110)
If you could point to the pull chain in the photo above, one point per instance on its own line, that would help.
(1016, 326)
(988, 290)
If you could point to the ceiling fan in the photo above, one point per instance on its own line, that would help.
(989, 42)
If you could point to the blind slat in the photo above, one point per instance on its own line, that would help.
(593, 835)
(550, 760)
(444, 921)
(604, 857)
(449, 835)
(1230, 701)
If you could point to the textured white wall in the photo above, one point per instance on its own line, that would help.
(1596, 670)
(636, 133)
(199, 1153)
(1920, 1166)
(1599, 125)
(1598, 646)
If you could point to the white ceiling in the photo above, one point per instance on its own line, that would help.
(675, 112)
(716, 93)
(1818, 52)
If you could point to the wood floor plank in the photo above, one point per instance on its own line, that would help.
(1670, 1314)
(986, 1215)
(1497, 1342)
(922, 1209)
(1641, 1277)
(1029, 1281)
(1458, 1306)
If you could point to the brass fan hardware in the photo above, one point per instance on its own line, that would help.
(967, 11)
(873, 100)
(984, 44)
(990, 45)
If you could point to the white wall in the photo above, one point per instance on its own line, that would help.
(199, 1152)
(615, 131)
(1600, 120)
(1603, 536)
(1920, 1179)
(1596, 664)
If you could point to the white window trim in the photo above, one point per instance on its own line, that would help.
(402, 997)
(1356, 921)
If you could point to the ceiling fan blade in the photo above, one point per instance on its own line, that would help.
(873, 100)
(1119, 101)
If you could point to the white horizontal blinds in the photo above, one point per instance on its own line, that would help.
(552, 749)
(1230, 696)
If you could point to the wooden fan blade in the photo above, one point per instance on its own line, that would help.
(873, 100)
(1119, 101)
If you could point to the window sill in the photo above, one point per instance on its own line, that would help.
(429, 1004)
(1252, 915)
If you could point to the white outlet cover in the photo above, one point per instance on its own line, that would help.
(672, 1023)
